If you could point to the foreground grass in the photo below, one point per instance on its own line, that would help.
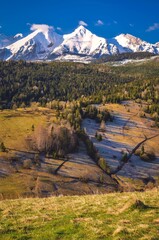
(112, 216)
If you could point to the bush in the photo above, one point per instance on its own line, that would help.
(148, 156)
(2, 147)
(102, 163)
(124, 157)
(98, 137)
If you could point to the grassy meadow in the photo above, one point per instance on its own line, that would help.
(113, 216)
(15, 125)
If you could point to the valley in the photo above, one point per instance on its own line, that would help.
(79, 149)
(26, 173)
(79, 120)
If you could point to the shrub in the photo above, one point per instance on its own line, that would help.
(124, 157)
(32, 128)
(98, 136)
(2, 147)
(101, 178)
(145, 155)
(102, 163)
(148, 156)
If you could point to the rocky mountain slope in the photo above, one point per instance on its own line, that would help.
(46, 44)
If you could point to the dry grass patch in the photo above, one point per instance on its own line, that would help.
(15, 125)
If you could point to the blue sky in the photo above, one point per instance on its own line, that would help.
(105, 18)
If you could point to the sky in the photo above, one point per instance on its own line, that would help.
(104, 18)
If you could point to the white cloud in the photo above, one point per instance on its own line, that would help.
(41, 27)
(131, 25)
(154, 27)
(99, 23)
(82, 23)
(59, 29)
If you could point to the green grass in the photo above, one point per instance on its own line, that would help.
(16, 185)
(15, 125)
(112, 216)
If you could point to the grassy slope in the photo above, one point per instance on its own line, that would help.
(15, 125)
(16, 181)
(111, 216)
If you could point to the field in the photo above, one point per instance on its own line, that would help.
(65, 175)
(15, 125)
(113, 216)
(122, 135)
(78, 175)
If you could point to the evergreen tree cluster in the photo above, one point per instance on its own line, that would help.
(22, 83)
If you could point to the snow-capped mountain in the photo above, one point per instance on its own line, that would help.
(45, 44)
(35, 46)
(129, 43)
(83, 42)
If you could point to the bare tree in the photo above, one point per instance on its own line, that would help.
(128, 156)
(58, 139)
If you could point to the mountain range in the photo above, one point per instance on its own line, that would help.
(81, 44)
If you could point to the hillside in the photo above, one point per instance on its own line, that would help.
(28, 173)
(51, 94)
(22, 83)
(113, 216)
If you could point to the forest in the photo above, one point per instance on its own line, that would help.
(22, 83)
(124, 56)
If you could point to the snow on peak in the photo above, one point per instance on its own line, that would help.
(82, 42)
(81, 28)
(126, 39)
(130, 43)
(36, 45)
(79, 32)
(44, 43)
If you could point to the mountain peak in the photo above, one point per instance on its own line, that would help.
(81, 27)
(81, 30)
(129, 37)
(44, 43)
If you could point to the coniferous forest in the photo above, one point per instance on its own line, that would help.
(24, 82)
